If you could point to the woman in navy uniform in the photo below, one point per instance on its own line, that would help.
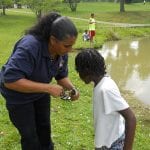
(25, 79)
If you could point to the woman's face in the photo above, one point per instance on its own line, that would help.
(61, 47)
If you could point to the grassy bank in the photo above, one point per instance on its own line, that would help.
(109, 12)
(72, 122)
(135, 13)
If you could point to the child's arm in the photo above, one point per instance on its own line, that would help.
(130, 125)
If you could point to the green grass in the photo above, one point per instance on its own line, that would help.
(134, 13)
(104, 11)
(72, 123)
(12, 27)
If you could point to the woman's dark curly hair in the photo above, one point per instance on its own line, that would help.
(90, 62)
(53, 24)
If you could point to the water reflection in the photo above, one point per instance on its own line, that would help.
(128, 62)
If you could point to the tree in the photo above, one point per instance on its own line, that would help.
(73, 4)
(18, 3)
(122, 9)
(4, 4)
(41, 6)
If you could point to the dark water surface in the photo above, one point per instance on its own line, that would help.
(128, 62)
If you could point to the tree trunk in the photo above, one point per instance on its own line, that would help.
(3, 7)
(122, 9)
(73, 6)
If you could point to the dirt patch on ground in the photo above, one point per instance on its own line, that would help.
(141, 110)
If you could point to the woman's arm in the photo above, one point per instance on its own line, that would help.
(66, 83)
(28, 86)
(130, 126)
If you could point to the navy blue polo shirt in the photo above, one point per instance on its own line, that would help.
(31, 60)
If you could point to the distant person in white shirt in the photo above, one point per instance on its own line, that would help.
(85, 36)
(114, 121)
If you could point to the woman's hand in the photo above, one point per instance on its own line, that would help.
(55, 90)
(74, 94)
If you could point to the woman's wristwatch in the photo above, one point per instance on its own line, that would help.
(73, 91)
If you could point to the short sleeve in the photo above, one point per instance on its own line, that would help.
(19, 65)
(113, 101)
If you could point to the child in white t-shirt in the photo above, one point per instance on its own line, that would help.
(114, 121)
(85, 36)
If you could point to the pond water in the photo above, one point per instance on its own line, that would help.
(128, 63)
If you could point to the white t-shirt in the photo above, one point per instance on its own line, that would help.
(109, 125)
(85, 36)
